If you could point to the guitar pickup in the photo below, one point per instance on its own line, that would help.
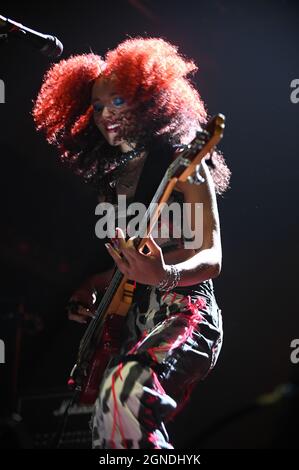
(128, 291)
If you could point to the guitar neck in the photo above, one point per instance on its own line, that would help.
(161, 195)
(181, 169)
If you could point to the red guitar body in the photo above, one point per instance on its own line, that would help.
(107, 348)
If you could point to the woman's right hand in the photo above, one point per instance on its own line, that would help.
(79, 311)
(82, 304)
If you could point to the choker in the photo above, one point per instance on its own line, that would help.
(110, 168)
(108, 165)
(121, 162)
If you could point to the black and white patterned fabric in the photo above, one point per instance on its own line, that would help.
(170, 343)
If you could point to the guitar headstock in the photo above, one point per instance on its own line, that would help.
(204, 142)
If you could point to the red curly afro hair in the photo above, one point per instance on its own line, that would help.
(62, 108)
(151, 75)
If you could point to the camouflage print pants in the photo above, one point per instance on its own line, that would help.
(172, 341)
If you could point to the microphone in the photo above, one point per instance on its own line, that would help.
(50, 46)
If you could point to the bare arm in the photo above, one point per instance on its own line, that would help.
(198, 265)
(206, 262)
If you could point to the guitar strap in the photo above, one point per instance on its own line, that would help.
(157, 161)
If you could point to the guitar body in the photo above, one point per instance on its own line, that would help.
(99, 345)
(107, 348)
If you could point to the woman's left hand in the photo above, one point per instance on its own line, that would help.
(149, 268)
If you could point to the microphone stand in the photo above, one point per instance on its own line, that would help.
(3, 30)
(48, 45)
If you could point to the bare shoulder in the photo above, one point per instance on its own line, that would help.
(198, 192)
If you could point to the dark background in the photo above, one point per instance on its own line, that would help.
(247, 54)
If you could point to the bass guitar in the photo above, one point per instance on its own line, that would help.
(101, 339)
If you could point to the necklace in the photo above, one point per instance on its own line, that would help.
(110, 168)
(124, 158)
(109, 165)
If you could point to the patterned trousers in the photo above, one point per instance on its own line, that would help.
(171, 342)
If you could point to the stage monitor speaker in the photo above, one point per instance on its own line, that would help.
(42, 416)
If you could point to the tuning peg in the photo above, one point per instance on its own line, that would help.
(196, 178)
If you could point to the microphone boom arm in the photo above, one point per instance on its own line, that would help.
(48, 45)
